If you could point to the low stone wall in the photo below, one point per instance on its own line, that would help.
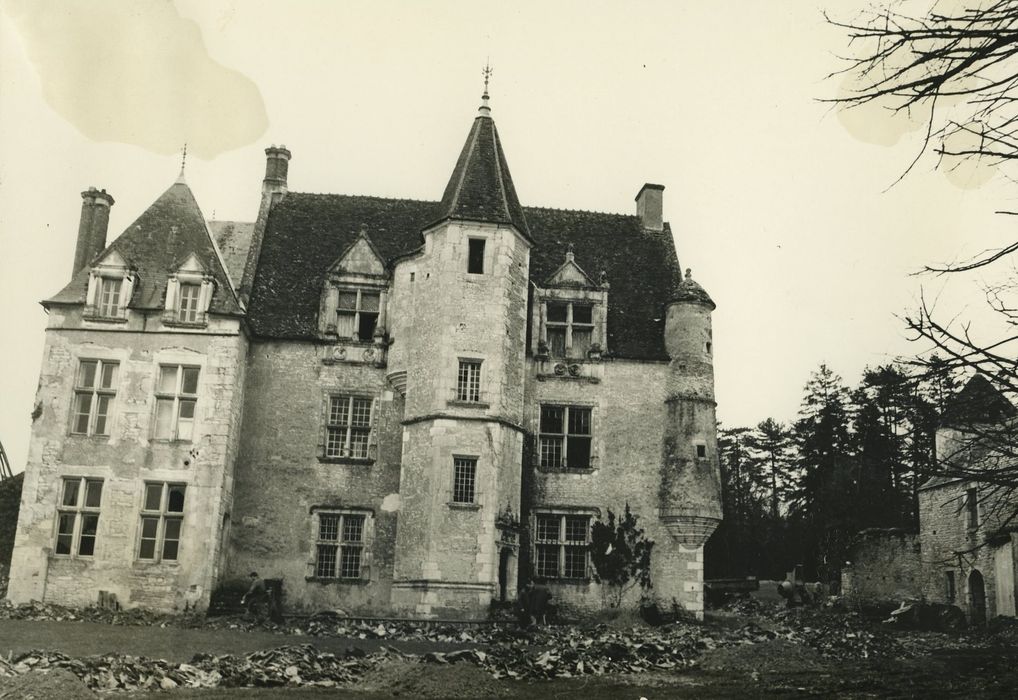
(885, 567)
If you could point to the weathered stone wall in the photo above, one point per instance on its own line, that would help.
(628, 417)
(282, 476)
(950, 545)
(126, 460)
(885, 567)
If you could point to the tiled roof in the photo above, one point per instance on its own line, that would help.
(690, 291)
(154, 245)
(233, 238)
(481, 188)
(306, 233)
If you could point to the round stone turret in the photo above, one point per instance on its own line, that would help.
(691, 478)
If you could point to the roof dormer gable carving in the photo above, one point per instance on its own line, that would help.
(570, 275)
(361, 261)
(110, 288)
(189, 291)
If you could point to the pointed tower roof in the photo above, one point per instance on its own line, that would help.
(155, 245)
(481, 188)
(979, 401)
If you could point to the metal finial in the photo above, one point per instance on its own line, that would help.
(689, 273)
(487, 75)
(183, 162)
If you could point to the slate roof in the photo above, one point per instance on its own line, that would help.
(233, 238)
(306, 233)
(481, 188)
(977, 402)
(153, 246)
(689, 290)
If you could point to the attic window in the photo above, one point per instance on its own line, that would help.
(357, 314)
(189, 294)
(570, 328)
(475, 256)
(110, 286)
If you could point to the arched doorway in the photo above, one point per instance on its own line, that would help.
(977, 598)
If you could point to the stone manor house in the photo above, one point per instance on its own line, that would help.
(398, 407)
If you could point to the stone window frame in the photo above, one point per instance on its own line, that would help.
(364, 545)
(108, 311)
(459, 480)
(951, 586)
(469, 387)
(96, 392)
(596, 298)
(173, 314)
(329, 311)
(326, 424)
(484, 258)
(568, 407)
(179, 398)
(162, 514)
(972, 510)
(562, 514)
(80, 510)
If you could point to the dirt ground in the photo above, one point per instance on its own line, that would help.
(945, 666)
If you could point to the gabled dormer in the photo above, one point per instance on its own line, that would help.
(189, 291)
(354, 295)
(570, 316)
(110, 288)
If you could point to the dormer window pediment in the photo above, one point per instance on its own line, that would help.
(189, 293)
(354, 295)
(110, 287)
(570, 314)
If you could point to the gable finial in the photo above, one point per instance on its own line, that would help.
(486, 72)
(183, 163)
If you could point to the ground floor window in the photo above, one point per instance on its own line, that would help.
(339, 546)
(162, 519)
(561, 545)
(78, 516)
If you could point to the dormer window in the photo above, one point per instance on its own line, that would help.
(109, 296)
(357, 313)
(110, 285)
(189, 293)
(570, 328)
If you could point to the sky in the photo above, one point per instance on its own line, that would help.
(782, 206)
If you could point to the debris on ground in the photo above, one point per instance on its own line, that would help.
(772, 656)
(43, 685)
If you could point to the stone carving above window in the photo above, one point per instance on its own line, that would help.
(110, 287)
(353, 305)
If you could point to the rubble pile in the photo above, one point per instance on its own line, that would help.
(284, 666)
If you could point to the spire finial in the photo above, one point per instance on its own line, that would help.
(183, 163)
(486, 72)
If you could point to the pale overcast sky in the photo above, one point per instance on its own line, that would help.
(782, 212)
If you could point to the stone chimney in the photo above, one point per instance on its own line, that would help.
(277, 163)
(649, 206)
(95, 219)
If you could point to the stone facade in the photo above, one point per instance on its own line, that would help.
(402, 408)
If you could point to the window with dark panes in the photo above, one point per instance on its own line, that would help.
(357, 313)
(464, 479)
(339, 549)
(349, 427)
(162, 520)
(78, 516)
(475, 256)
(176, 399)
(565, 437)
(561, 545)
(95, 388)
(468, 381)
(569, 327)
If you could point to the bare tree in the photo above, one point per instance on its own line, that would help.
(955, 65)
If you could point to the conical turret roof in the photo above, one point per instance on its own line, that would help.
(690, 291)
(481, 188)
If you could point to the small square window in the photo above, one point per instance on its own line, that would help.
(701, 451)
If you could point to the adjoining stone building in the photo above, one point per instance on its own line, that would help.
(398, 407)
(964, 551)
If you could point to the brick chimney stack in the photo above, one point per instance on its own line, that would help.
(277, 163)
(95, 219)
(649, 206)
